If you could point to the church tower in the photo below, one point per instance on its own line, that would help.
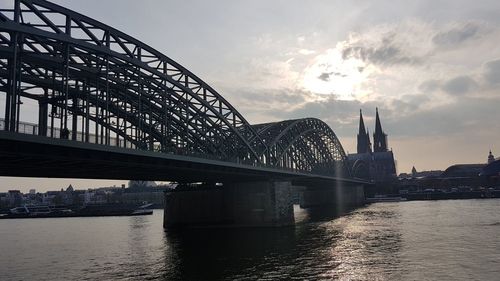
(379, 137)
(491, 158)
(364, 145)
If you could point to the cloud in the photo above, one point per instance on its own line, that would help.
(404, 43)
(457, 86)
(268, 105)
(456, 35)
(460, 85)
(415, 42)
(382, 55)
(429, 86)
(429, 79)
(306, 52)
(492, 72)
(325, 76)
(407, 105)
(261, 105)
(467, 116)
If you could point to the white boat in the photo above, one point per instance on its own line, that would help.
(143, 210)
(39, 210)
(31, 209)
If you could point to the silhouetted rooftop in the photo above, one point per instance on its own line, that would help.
(463, 170)
(491, 169)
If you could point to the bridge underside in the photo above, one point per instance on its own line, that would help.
(35, 156)
(32, 156)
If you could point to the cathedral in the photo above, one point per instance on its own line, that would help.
(378, 164)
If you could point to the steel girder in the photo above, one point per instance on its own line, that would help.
(102, 69)
(96, 84)
(307, 144)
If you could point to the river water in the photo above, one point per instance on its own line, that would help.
(419, 240)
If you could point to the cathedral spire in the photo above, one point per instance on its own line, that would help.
(378, 125)
(368, 143)
(361, 124)
(379, 137)
(363, 137)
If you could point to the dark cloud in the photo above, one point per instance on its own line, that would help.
(325, 76)
(381, 55)
(492, 73)
(466, 116)
(456, 35)
(386, 52)
(459, 85)
(408, 104)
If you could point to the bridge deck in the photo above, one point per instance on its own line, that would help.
(36, 156)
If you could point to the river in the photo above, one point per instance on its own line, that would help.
(418, 240)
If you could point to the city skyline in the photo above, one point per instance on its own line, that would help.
(433, 69)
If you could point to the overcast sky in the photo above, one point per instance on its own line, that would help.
(431, 67)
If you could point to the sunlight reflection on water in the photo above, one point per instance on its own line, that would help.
(445, 240)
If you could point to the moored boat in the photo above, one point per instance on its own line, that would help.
(38, 211)
(91, 210)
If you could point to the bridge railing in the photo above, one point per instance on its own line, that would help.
(33, 129)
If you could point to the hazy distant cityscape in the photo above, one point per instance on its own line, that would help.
(137, 192)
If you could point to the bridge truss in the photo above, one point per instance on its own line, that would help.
(95, 84)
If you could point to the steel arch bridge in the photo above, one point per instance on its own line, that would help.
(95, 84)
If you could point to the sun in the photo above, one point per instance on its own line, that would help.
(332, 74)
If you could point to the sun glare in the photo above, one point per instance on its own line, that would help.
(330, 73)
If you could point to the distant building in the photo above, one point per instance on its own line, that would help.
(492, 169)
(140, 193)
(49, 197)
(463, 171)
(457, 176)
(14, 198)
(413, 172)
(3, 200)
(422, 174)
(377, 165)
(491, 158)
(141, 184)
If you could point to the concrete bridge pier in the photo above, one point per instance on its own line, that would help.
(343, 196)
(256, 204)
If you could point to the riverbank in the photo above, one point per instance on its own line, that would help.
(451, 195)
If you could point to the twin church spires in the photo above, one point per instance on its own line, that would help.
(379, 137)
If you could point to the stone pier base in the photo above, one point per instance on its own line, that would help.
(263, 203)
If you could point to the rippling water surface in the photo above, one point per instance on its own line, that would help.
(427, 240)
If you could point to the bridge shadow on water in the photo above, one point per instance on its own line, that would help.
(254, 253)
